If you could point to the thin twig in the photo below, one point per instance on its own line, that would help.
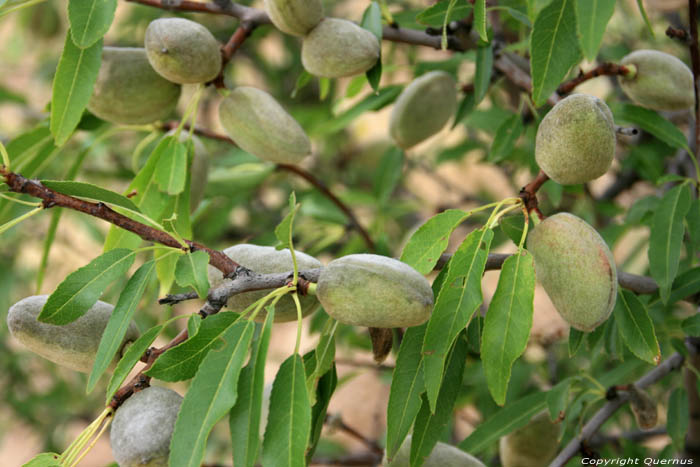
(695, 61)
(672, 363)
(604, 69)
(336, 422)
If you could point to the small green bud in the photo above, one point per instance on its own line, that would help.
(423, 108)
(337, 48)
(261, 126)
(142, 428)
(575, 141)
(295, 17)
(73, 345)
(182, 51)
(576, 269)
(374, 291)
(533, 445)
(267, 260)
(659, 81)
(129, 91)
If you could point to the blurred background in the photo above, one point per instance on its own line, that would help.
(43, 407)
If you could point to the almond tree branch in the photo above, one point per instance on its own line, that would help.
(695, 62)
(589, 429)
(19, 184)
(604, 69)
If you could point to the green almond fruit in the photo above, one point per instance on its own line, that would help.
(259, 125)
(575, 141)
(374, 291)
(442, 455)
(423, 108)
(73, 345)
(295, 17)
(337, 48)
(142, 428)
(658, 81)
(129, 91)
(268, 260)
(199, 169)
(576, 269)
(533, 445)
(182, 51)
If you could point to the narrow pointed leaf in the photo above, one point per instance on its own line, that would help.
(431, 424)
(666, 237)
(508, 322)
(677, 418)
(90, 20)
(576, 338)
(119, 321)
(592, 17)
(171, 169)
(425, 246)
(191, 271)
(45, 459)
(557, 398)
(244, 418)
(480, 19)
(82, 288)
(72, 87)
(550, 61)
(210, 396)
(459, 297)
(91, 192)
(406, 388)
(651, 122)
(181, 362)
(324, 390)
(484, 70)
(289, 420)
(636, 328)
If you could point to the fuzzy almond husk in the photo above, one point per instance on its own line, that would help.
(533, 445)
(295, 17)
(442, 455)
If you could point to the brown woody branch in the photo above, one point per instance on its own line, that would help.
(679, 34)
(593, 425)
(529, 193)
(19, 184)
(318, 184)
(695, 62)
(604, 69)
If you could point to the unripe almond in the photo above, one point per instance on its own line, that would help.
(129, 91)
(533, 445)
(267, 260)
(295, 17)
(423, 108)
(658, 81)
(576, 269)
(73, 345)
(575, 141)
(337, 48)
(261, 126)
(374, 291)
(442, 455)
(199, 169)
(182, 51)
(142, 428)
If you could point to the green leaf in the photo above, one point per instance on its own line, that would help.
(557, 398)
(575, 340)
(324, 390)
(45, 459)
(289, 420)
(425, 246)
(550, 60)
(171, 169)
(685, 285)
(651, 122)
(636, 328)
(303, 79)
(592, 17)
(283, 231)
(504, 141)
(645, 17)
(691, 326)
(435, 15)
(82, 288)
(72, 87)
(90, 20)
(131, 357)
(666, 238)
(480, 19)
(374, 75)
(406, 388)
(693, 220)
(372, 20)
(484, 69)
(244, 418)
(511, 417)
(181, 362)
(677, 418)
(375, 101)
(119, 321)
(508, 322)
(430, 426)
(191, 270)
(90, 191)
(459, 297)
(210, 396)
(388, 174)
